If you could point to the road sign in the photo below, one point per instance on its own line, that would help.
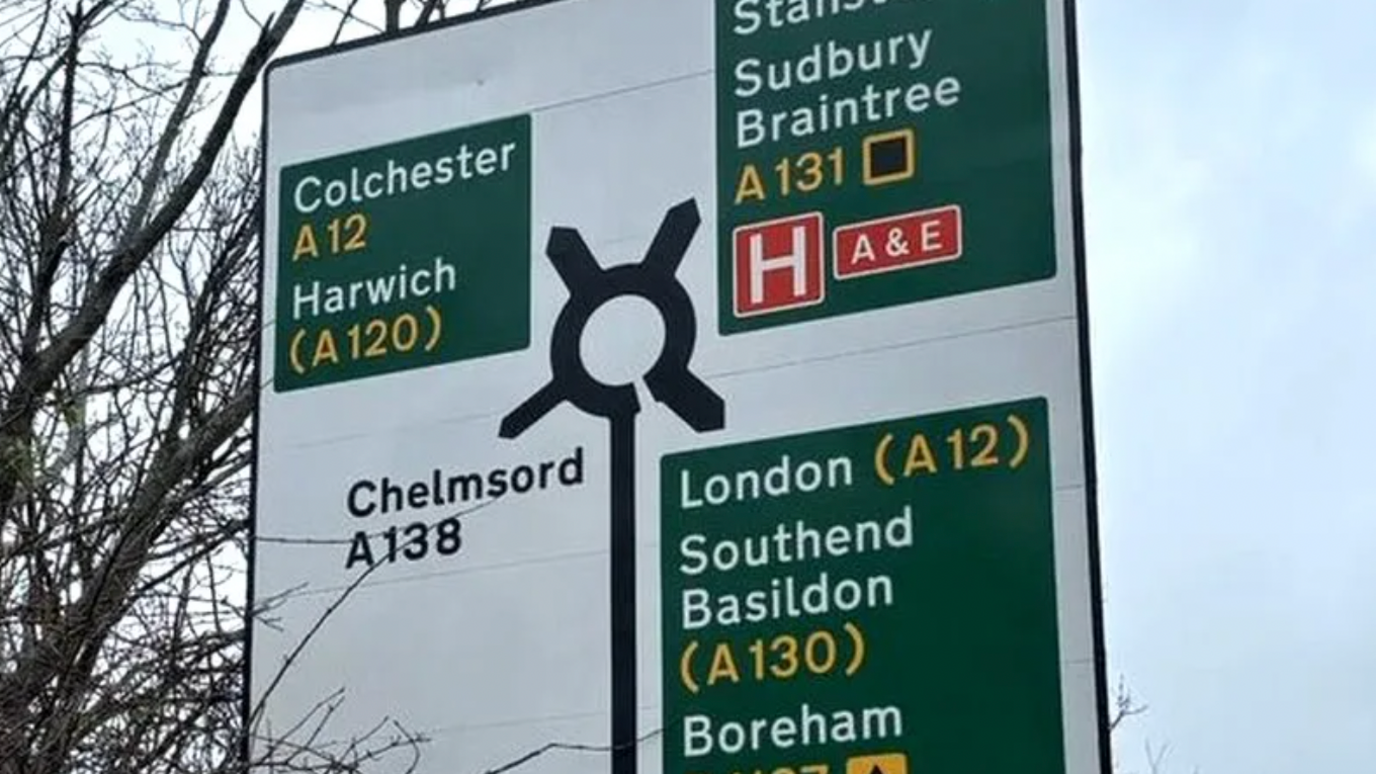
(369, 280)
(866, 110)
(862, 588)
(682, 387)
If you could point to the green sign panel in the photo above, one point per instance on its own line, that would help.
(878, 152)
(878, 598)
(404, 255)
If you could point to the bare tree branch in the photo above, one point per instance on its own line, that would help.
(130, 241)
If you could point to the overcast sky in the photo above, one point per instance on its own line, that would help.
(1231, 212)
(1231, 208)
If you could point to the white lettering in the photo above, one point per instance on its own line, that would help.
(303, 206)
(395, 177)
(336, 193)
(919, 47)
(315, 298)
(748, 80)
(805, 727)
(686, 499)
(368, 183)
(689, 549)
(697, 735)
(696, 612)
(947, 92)
(748, 19)
(794, 261)
(749, 128)
(312, 300)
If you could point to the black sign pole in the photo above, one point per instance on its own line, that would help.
(669, 382)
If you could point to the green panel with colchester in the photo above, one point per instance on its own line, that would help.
(405, 255)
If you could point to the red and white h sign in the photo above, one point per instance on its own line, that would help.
(778, 265)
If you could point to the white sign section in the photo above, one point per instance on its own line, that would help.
(680, 387)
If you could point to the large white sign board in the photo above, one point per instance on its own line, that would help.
(849, 527)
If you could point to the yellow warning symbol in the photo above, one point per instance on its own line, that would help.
(885, 763)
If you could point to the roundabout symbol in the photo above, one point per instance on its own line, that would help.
(668, 380)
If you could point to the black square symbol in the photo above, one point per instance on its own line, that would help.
(889, 158)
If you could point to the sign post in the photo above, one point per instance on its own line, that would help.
(825, 507)
(669, 381)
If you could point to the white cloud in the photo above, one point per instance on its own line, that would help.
(1364, 146)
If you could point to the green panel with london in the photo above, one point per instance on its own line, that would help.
(875, 596)
(404, 255)
(879, 152)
